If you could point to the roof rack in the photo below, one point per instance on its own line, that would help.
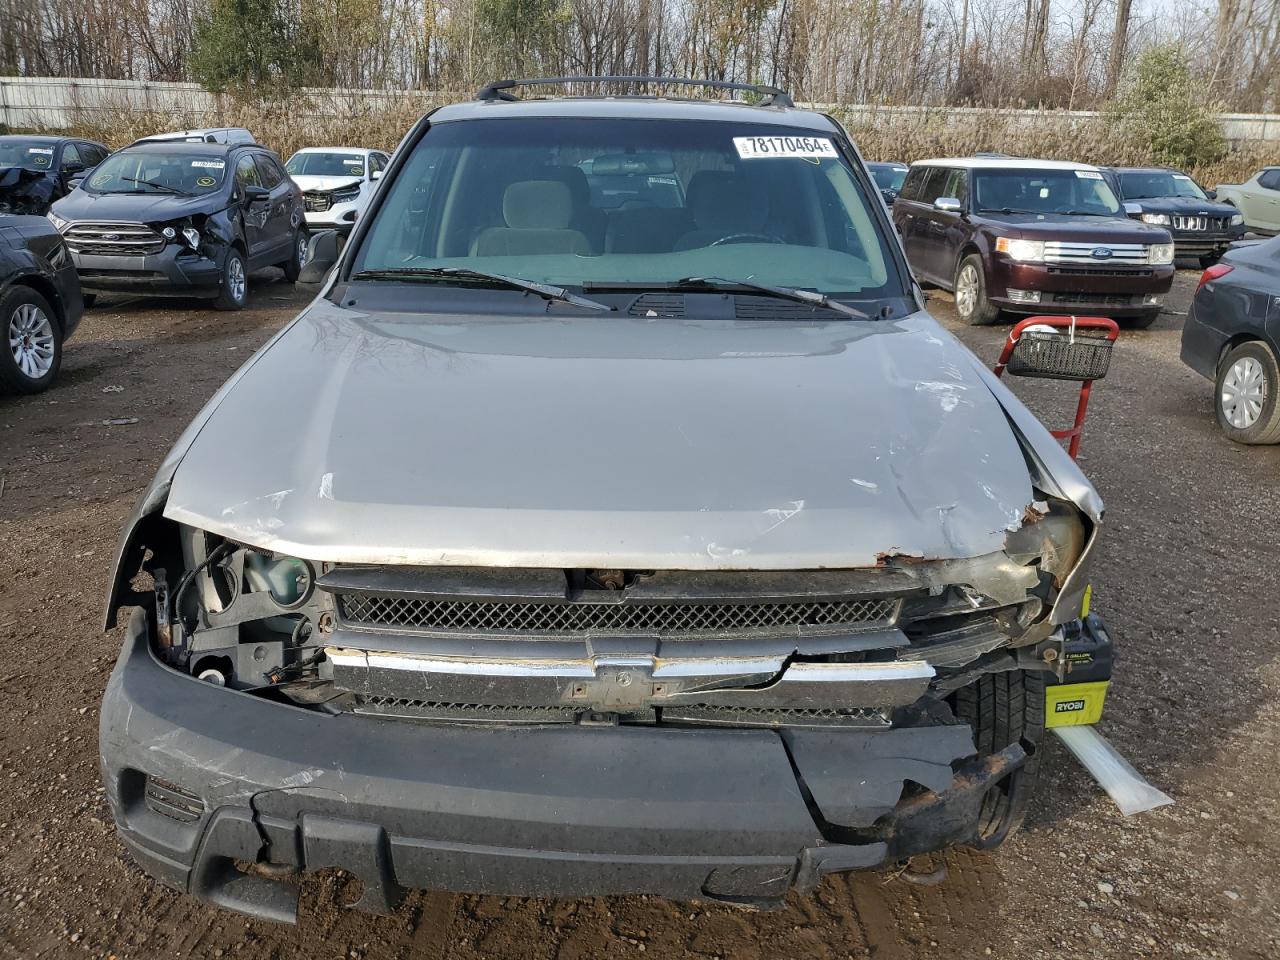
(773, 96)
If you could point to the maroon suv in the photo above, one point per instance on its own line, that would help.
(1030, 236)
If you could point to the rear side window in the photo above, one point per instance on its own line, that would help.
(957, 186)
(911, 185)
(1270, 179)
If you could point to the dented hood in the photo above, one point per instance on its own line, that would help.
(606, 442)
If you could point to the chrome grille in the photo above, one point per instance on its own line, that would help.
(317, 202)
(1128, 254)
(113, 239)
(548, 618)
(1200, 223)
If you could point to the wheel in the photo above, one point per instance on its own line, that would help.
(293, 266)
(1248, 396)
(33, 342)
(971, 293)
(89, 300)
(1142, 320)
(1003, 709)
(234, 291)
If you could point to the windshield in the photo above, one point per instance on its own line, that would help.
(29, 154)
(1077, 192)
(149, 171)
(325, 165)
(888, 178)
(599, 201)
(1146, 186)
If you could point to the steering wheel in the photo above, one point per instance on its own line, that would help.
(747, 238)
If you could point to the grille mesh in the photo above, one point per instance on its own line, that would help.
(773, 716)
(561, 618)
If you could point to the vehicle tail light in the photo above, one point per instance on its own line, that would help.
(1213, 273)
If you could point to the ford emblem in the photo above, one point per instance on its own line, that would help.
(111, 236)
(1102, 253)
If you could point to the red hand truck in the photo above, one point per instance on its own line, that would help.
(1061, 348)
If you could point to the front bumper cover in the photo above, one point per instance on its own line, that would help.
(200, 778)
(176, 270)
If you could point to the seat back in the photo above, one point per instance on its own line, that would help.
(537, 215)
(722, 203)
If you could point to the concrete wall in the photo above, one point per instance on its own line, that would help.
(55, 102)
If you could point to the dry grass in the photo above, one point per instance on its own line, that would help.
(302, 122)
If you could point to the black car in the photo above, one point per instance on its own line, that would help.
(40, 302)
(888, 177)
(1201, 227)
(36, 171)
(1232, 337)
(184, 219)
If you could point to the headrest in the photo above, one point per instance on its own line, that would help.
(720, 199)
(537, 205)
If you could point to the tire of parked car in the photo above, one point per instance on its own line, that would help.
(32, 344)
(1004, 709)
(971, 293)
(293, 266)
(233, 293)
(1143, 320)
(1247, 401)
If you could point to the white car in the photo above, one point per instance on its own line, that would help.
(336, 182)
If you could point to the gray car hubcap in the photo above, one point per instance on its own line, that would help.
(235, 279)
(967, 290)
(1244, 390)
(31, 341)
(302, 249)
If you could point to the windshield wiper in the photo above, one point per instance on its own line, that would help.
(1089, 213)
(811, 297)
(1009, 210)
(545, 290)
(159, 186)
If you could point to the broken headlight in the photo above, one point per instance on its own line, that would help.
(1053, 535)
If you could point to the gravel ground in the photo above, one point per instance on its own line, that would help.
(1188, 580)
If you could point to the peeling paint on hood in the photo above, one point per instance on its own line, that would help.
(622, 442)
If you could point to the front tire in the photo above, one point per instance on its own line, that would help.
(971, 293)
(1247, 401)
(293, 266)
(233, 293)
(32, 345)
(1004, 709)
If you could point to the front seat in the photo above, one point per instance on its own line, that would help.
(722, 204)
(537, 214)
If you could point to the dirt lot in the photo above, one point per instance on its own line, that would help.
(1189, 580)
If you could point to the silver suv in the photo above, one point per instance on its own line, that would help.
(629, 526)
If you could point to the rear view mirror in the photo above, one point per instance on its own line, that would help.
(1053, 353)
(947, 205)
(322, 254)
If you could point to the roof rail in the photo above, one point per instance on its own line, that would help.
(773, 96)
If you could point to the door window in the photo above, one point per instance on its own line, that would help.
(912, 184)
(247, 173)
(270, 173)
(957, 186)
(1270, 179)
(71, 155)
(934, 185)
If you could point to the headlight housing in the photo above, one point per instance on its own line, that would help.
(1026, 251)
(1159, 219)
(58, 223)
(1160, 253)
(1237, 219)
(346, 194)
(192, 236)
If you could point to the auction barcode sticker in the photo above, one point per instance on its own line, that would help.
(211, 164)
(44, 150)
(1088, 175)
(755, 148)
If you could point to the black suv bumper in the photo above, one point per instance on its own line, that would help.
(201, 778)
(176, 271)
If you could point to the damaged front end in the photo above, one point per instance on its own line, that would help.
(686, 691)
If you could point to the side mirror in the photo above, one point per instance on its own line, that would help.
(254, 193)
(322, 254)
(1211, 194)
(376, 175)
(72, 168)
(1133, 209)
(947, 205)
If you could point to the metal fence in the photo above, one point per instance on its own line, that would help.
(56, 103)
